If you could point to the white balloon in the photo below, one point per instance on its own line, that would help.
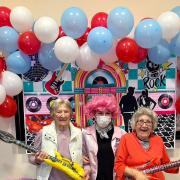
(21, 19)
(87, 60)
(2, 94)
(12, 83)
(110, 56)
(46, 29)
(170, 24)
(66, 49)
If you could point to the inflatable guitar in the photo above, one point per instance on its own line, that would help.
(159, 168)
(73, 169)
(54, 84)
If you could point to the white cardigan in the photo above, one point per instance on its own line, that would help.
(49, 144)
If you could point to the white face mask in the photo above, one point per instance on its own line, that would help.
(103, 121)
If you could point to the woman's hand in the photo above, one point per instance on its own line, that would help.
(87, 174)
(134, 173)
(85, 160)
(40, 156)
(141, 176)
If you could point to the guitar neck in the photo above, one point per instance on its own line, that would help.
(162, 167)
(33, 150)
(62, 70)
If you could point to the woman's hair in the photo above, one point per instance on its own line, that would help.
(144, 111)
(55, 104)
(102, 103)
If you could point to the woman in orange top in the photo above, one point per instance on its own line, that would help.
(141, 149)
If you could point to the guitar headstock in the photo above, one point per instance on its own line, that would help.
(7, 137)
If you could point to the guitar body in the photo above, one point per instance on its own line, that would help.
(53, 85)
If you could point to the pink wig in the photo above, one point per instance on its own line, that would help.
(102, 103)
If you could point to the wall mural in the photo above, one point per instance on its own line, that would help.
(144, 84)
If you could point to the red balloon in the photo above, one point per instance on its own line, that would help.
(141, 55)
(61, 32)
(5, 16)
(2, 64)
(8, 108)
(28, 43)
(126, 50)
(99, 19)
(177, 105)
(81, 40)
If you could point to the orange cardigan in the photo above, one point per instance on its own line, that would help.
(131, 153)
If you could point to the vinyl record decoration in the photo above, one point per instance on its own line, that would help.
(33, 104)
(165, 101)
(49, 100)
(71, 100)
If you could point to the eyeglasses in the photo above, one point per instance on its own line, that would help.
(141, 122)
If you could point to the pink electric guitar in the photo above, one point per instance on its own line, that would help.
(159, 168)
(54, 84)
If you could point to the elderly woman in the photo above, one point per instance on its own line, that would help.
(101, 140)
(60, 135)
(141, 149)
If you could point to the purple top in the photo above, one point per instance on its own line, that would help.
(63, 140)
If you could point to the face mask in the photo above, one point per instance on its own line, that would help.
(103, 121)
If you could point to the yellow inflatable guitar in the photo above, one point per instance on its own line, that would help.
(73, 169)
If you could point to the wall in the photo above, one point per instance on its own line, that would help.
(14, 160)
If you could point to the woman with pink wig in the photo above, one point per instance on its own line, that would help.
(100, 141)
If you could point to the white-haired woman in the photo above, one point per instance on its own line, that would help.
(60, 135)
(141, 149)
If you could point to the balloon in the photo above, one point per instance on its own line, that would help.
(8, 39)
(100, 40)
(176, 10)
(110, 56)
(177, 105)
(18, 62)
(87, 60)
(120, 22)
(126, 50)
(175, 45)
(2, 94)
(21, 19)
(74, 22)
(12, 83)
(81, 40)
(99, 19)
(160, 53)
(46, 29)
(61, 32)
(28, 43)
(66, 49)
(8, 108)
(2, 64)
(5, 16)
(170, 24)
(47, 57)
(148, 33)
(141, 55)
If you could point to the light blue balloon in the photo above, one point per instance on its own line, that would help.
(18, 62)
(74, 22)
(8, 39)
(120, 22)
(47, 57)
(148, 33)
(100, 40)
(175, 45)
(176, 10)
(160, 53)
